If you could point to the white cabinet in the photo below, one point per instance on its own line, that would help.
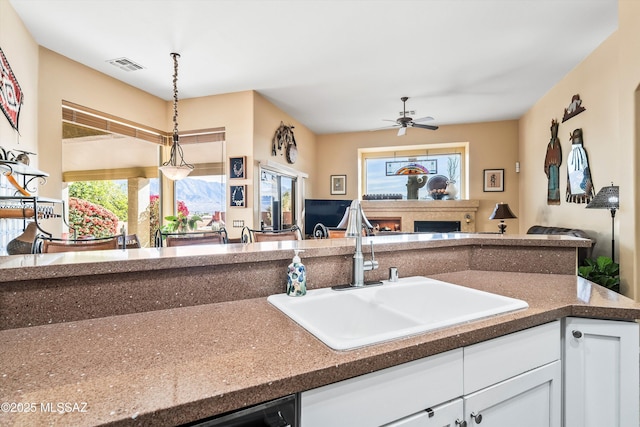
(501, 379)
(532, 399)
(601, 373)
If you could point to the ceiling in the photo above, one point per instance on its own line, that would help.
(336, 65)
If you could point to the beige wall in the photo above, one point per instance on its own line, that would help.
(607, 82)
(267, 118)
(64, 79)
(234, 112)
(492, 145)
(21, 52)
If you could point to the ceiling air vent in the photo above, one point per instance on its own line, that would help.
(125, 64)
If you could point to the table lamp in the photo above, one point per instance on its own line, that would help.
(502, 212)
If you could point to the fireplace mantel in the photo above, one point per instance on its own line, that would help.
(409, 211)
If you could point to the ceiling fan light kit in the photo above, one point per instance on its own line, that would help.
(405, 121)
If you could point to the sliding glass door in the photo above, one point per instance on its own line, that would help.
(277, 200)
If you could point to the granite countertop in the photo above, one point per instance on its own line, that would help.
(174, 366)
(40, 266)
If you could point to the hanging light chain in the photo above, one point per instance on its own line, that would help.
(175, 94)
(176, 149)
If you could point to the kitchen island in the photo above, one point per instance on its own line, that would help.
(173, 335)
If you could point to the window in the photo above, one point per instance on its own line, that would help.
(204, 196)
(414, 172)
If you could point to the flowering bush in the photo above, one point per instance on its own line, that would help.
(89, 219)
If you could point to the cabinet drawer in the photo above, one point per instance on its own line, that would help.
(496, 360)
(387, 395)
(444, 415)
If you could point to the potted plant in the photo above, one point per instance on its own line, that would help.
(181, 223)
(602, 271)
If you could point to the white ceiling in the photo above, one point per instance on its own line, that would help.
(336, 65)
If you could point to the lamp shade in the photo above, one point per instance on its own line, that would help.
(607, 198)
(175, 173)
(348, 223)
(502, 211)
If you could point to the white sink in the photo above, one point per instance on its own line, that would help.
(344, 320)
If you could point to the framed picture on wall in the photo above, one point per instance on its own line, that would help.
(493, 180)
(237, 167)
(238, 196)
(338, 184)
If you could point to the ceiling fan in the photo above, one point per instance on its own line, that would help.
(405, 121)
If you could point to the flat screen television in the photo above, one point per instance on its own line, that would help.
(325, 211)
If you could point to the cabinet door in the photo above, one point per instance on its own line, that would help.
(444, 415)
(532, 399)
(601, 373)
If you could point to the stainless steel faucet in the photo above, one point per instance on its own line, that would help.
(354, 229)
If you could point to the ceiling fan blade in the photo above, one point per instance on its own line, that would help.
(430, 127)
(402, 131)
(385, 127)
(423, 119)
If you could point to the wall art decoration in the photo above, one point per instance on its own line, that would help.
(237, 167)
(579, 184)
(493, 180)
(284, 139)
(11, 96)
(573, 109)
(552, 162)
(416, 167)
(338, 184)
(238, 196)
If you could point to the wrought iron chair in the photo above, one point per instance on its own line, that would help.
(46, 244)
(251, 236)
(321, 231)
(131, 241)
(208, 237)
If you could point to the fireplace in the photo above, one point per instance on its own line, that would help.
(436, 226)
(406, 212)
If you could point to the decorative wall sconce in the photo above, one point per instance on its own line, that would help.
(502, 212)
(172, 168)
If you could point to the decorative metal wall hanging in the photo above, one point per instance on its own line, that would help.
(579, 184)
(573, 109)
(11, 96)
(552, 162)
(284, 139)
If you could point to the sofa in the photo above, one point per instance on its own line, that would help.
(583, 253)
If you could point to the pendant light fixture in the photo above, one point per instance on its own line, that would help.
(176, 168)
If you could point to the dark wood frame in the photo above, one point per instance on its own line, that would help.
(242, 160)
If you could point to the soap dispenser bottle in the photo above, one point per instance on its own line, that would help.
(296, 277)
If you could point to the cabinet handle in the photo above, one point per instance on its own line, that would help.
(576, 334)
(461, 423)
(477, 418)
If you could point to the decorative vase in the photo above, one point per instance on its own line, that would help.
(452, 189)
(24, 242)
